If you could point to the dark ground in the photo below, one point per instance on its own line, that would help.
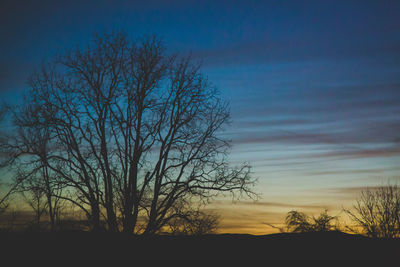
(90, 249)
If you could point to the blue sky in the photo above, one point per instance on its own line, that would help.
(314, 86)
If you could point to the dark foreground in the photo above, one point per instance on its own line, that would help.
(90, 249)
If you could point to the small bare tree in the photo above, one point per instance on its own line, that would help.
(35, 197)
(28, 151)
(199, 224)
(5, 190)
(377, 212)
(202, 223)
(189, 221)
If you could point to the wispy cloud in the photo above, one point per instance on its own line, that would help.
(361, 153)
(284, 206)
(341, 172)
(285, 51)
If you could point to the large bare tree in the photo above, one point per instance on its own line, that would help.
(135, 131)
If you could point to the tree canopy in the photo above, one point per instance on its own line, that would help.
(129, 132)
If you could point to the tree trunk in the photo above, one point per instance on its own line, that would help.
(127, 224)
(38, 214)
(130, 220)
(151, 225)
(51, 213)
(95, 218)
(112, 220)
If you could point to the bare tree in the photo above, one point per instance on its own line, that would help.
(135, 131)
(202, 223)
(28, 148)
(5, 189)
(188, 218)
(34, 196)
(194, 223)
(377, 212)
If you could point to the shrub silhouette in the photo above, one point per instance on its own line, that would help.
(299, 222)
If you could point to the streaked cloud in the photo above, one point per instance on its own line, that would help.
(271, 51)
(314, 87)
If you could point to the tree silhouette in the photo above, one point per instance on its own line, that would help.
(35, 197)
(299, 222)
(377, 212)
(133, 131)
(193, 222)
(28, 150)
(4, 194)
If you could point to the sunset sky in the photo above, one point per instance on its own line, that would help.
(313, 86)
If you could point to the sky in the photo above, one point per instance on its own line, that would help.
(313, 86)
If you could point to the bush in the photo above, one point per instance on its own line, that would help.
(299, 222)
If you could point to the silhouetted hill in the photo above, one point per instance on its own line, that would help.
(82, 248)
